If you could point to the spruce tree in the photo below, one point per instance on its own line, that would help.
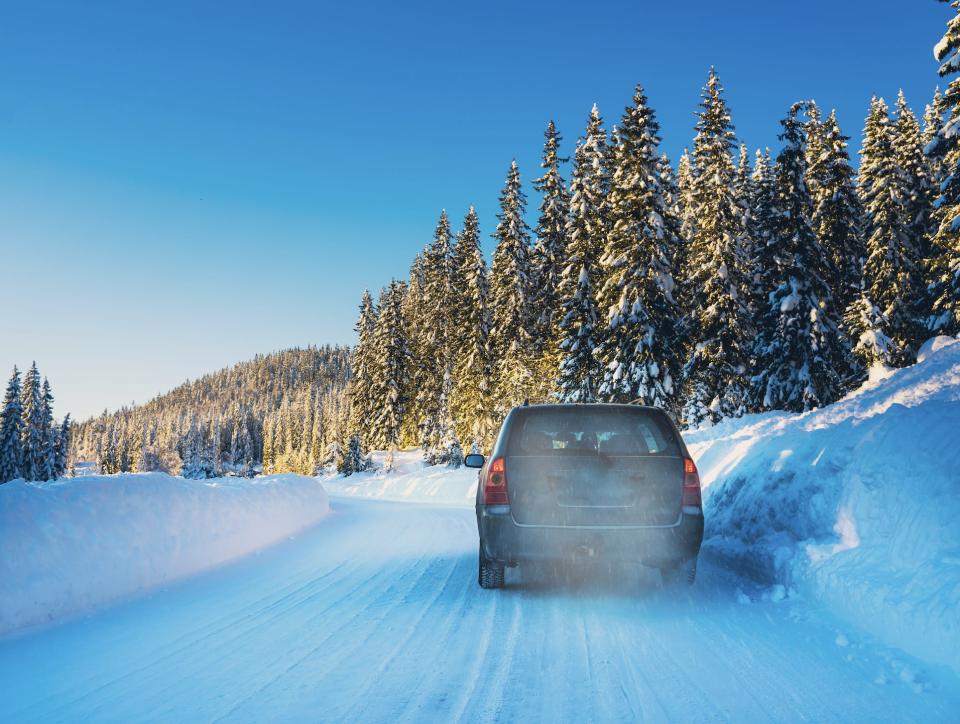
(800, 353)
(580, 371)
(470, 396)
(891, 273)
(917, 194)
(62, 448)
(716, 371)
(360, 391)
(48, 441)
(945, 150)
(640, 345)
(932, 128)
(761, 229)
(837, 211)
(392, 365)
(437, 350)
(32, 435)
(513, 318)
(548, 260)
(865, 323)
(11, 426)
(415, 322)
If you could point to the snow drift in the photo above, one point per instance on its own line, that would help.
(75, 544)
(410, 480)
(857, 503)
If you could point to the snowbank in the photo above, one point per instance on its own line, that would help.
(69, 546)
(857, 503)
(410, 480)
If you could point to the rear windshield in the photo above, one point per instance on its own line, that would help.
(592, 431)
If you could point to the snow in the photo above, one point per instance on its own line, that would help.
(410, 480)
(74, 545)
(855, 504)
(375, 615)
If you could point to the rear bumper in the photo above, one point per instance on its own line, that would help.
(505, 541)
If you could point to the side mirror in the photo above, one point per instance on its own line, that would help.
(474, 461)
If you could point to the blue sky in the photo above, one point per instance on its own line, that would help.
(185, 184)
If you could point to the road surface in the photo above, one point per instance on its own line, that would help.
(375, 615)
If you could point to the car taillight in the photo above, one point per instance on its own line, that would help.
(495, 484)
(691, 485)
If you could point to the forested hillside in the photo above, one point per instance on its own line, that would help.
(286, 405)
(733, 282)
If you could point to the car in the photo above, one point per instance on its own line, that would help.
(609, 482)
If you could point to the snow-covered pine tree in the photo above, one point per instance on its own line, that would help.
(48, 440)
(355, 459)
(686, 177)
(640, 347)
(716, 372)
(11, 425)
(761, 228)
(414, 316)
(513, 318)
(932, 127)
(837, 211)
(945, 149)
(61, 449)
(891, 275)
(864, 323)
(267, 456)
(392, 365)
(548, 261)
(470, 396)
(360, 388)
(801, 355)
(433, 394)
(917, 195)
(587, 227)
(31, 434)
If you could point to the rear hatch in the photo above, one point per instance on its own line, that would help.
(591, 465)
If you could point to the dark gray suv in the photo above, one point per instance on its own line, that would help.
(613, 482)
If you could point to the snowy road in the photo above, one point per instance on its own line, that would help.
(374, 614)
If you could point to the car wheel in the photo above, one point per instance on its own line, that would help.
(680, 574)
(490, 575)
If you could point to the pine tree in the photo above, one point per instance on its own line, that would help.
(547, 261)
(48, 442)
(587, 227)
(415, 316)
(355, 459)
(360, 390)
(917, 194)
(32, 435)
(470, 397)
(639, 347)
(513, 321)
(932, 128)
(945, 150)
(865, 323)
(801, 358)
(761, 228)
(891, 275)
(391, 368)
(433, 394)
(837, 211)
(62, 448)
(11, 426)
(716, 371)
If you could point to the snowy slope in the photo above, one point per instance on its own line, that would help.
(856, 504)
(73, 545)
(409, 480)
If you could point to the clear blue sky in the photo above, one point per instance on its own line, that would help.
(185, 184)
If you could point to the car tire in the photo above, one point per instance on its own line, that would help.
(489, 575)
(680, 574)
